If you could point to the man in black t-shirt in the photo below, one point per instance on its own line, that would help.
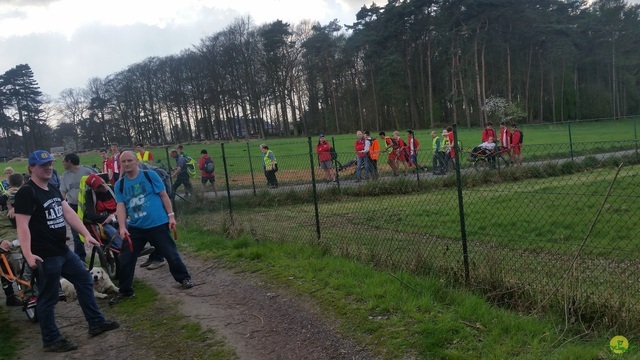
(40, 216)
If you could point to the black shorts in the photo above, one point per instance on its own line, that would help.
(211, 179)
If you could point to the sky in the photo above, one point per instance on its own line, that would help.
(67, 42)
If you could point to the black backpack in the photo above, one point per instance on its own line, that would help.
(164, 176)
(208, 165)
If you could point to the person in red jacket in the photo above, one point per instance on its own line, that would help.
(107, 164)
(488, 132)
(400, 149)
(505, 139)
(389, 146)
(452, 151)
(516, 145)
(205, 175)
(324, 158)
(362, 153)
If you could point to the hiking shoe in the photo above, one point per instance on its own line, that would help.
(146, 263)
(156, 264)
(104, 327)
(14, 300)
(187, 284)
(62, 345)
(146, 251)
(119, 298)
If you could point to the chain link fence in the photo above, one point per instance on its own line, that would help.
(556, 231)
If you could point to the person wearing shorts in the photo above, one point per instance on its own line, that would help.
(324, 158)
(206, 177)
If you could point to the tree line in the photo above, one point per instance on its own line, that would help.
(408, 64)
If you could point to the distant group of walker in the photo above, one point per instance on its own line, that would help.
(402, 155)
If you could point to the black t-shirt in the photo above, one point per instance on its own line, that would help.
(47, 226)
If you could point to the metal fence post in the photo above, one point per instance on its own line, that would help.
(226, 179)
(335, 163)
(635, 133)
(173, 196)
(570, 143)
(315, 192)
(463, 229)
(253, 182)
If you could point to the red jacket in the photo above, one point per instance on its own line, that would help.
(201, 166)
(324, 151)
(486, 133)
(359, 146)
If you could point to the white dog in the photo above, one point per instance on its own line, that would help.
(101, 284)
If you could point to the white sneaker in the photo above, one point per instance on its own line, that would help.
(156, 264)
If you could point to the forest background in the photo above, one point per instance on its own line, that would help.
(408, 64)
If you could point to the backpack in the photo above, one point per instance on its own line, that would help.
(164, 176)
(208, 165)
(334, 154)
(191, 165)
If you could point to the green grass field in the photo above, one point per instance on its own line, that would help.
(292, 153)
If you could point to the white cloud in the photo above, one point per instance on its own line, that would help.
(66, 42)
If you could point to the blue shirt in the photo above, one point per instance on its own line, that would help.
(140, 197)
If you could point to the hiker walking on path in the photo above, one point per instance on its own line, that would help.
(324, 158)
(41, 213)
(143, 200)
(207, 174)
(270, 166)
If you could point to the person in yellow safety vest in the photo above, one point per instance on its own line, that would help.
(438, 153)
(270, 166)
(144, 156)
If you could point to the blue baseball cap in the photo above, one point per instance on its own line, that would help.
(40, 157)
(320, 136)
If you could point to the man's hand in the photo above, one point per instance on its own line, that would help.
(31, 259)
(123, 232)
(172, 222)
(90, 240)
(5, 245)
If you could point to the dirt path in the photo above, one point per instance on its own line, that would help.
(258, 321)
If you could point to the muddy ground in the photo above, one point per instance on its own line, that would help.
(257, 320)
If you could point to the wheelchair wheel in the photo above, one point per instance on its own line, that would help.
(31, 294)
(30, 303)
(481, 164)
(111, 263)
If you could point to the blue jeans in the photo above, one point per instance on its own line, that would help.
(160, 238)
(115, 241)
(359, 163)
(71, 268)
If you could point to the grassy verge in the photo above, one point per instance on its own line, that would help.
(159, 327)
(525, 227)
(398, 314)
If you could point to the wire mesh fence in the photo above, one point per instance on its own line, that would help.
(556, 230)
